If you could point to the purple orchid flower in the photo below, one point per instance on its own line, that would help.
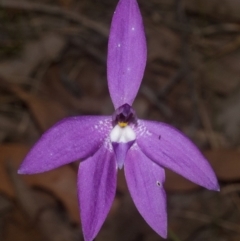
(106, 143)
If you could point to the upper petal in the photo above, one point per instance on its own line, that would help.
(96, 190)
(69, 140)
(126, 53)
(145, 182)
(168, 147)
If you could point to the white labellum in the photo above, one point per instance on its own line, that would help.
(122, 134)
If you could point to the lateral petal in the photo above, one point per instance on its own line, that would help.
(126, 53)
(171, 149)
(67, 141)
(96, 189)
(145, 182)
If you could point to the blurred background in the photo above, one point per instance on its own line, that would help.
(53, 65)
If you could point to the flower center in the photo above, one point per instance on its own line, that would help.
(124, 115)
(122, 118)
(122, 124)
(122, 135)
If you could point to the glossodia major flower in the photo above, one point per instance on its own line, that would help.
(106, 143)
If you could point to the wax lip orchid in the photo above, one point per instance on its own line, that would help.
(104, 143)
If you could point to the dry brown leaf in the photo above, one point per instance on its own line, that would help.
(92, 83)
(164, 44)
(226, 163)
(175, 182)
(45, 49)
(65, 3)
(46, 112)
(61, 182)
(56, 90)
(222, 74)
(17, 228)
(227, 10)
(228, 117)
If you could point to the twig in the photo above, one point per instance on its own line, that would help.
(53, 10)
(229, 189)
(228, 48)
(40, 210)
(173, 235)
(151, 96)
(91, 50)
(207, 125)
(217, 29)
(184, 66)
(24, 195)
(235, 200)
(173, 81)
(208, 220)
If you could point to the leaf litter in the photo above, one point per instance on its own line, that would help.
(59, 71)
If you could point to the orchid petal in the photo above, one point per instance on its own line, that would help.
(145, 182)
(69, 140)
(120, 150)
(96, 188)
(171, 149)
(126, 53)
